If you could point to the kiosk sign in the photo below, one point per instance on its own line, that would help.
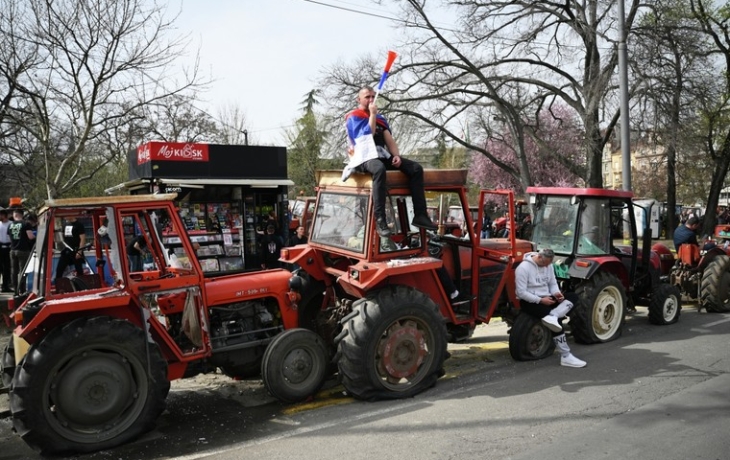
(171, 151)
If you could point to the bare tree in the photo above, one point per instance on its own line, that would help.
(670, 57)
(233, 126)
(176, 119)
(714, 22)
(510, 60)
(96, 64)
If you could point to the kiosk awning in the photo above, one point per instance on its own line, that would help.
(198, 183)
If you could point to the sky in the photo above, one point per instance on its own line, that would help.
(266, 55)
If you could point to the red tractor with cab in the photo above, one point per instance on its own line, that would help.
(93, 351)
(382, 304)
(610, 275)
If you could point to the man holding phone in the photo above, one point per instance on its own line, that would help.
(540, 296)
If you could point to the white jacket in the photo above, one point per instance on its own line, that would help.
(532, 282)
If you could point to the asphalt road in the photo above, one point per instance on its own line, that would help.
(655, 393)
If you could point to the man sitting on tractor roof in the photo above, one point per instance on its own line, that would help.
(365, 126)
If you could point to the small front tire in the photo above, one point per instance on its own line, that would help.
(295, 365)
(665, 305)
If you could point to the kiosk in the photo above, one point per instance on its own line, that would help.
(226, 196)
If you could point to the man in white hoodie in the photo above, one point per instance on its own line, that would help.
(540, 296)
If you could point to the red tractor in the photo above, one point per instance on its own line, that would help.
(93, 352)
(610, 278)
(704, 273)
(382, 304)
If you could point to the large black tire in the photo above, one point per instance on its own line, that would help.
(665, 305)
(599, 316)
(295, 365)
(715, 285)
(529, 339)
(8, 364)
(88, 386)
(392, 345)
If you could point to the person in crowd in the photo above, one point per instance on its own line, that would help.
(723, 216)
(74, 238)
(486, 225)
(299, 237)
(7, 285)
(271, 245)
(105, 240)
(365, 122)
(136, 250)
(22, 238)
(686, 233)
(539, 295)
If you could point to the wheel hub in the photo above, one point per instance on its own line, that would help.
(403, 351)
(92, 389)
(605, 312)
(670, 308)
(297, 366)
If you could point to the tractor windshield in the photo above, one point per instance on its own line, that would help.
(340, 219)
(555, 224)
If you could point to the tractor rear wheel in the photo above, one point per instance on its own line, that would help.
(715, 285)
(599, 316)
(529, 339)
(295, 365)
(8, 364)
(392, 345)
(665, 305)
(88, 386)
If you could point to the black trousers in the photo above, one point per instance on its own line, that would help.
(5, 268)
(67, 259)
(410, 168)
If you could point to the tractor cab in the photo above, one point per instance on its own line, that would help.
(594, 236)
(576, 225)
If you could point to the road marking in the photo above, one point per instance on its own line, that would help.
(716, 322)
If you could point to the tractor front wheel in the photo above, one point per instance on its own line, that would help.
(92, 384)
(294, 365)
(392, 345)
(529, 339)
(715, 285)
(665, 305)
(599, 316)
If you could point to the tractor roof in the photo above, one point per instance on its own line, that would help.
(588, 192)
(431, 178)
(106, 200)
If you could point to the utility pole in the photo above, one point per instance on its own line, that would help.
(623, 83)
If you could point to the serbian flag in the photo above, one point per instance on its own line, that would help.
(360, 143)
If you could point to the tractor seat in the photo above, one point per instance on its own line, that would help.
(689, 254)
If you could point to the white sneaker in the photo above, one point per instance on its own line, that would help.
(571, 361)
(551, 322)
